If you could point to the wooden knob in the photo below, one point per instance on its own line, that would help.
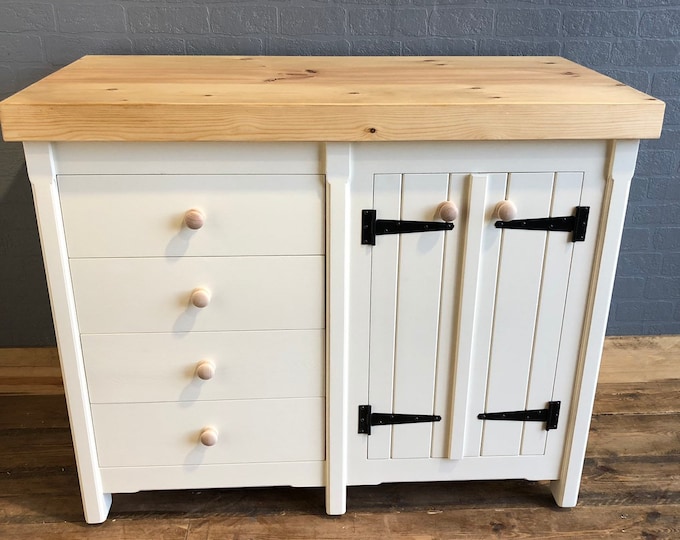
(506, 210)
(200, 297)
(205, 370)
(209, 436)
(448, 211)
(194, 219)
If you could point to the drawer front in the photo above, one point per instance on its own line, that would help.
(144, 215)
(128, 368)
(154, 295)
(248, 431)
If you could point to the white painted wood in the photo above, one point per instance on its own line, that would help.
(418, 298)
(621, 166)
(231, 475)
(554, 281)
(144, 216)
(384, 283)
(128, 368)
(152, 295)
(480, 329)
(187, 158)
(469, 292)
(517, 294)
(41, 169)
(250, 431)
(338, 169)
(459, 186)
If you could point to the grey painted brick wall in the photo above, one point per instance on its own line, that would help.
(636, 41)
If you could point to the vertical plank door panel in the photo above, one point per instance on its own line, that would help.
(519, 279)
(420, 268)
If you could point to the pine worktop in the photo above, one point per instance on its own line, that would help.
(258, 98)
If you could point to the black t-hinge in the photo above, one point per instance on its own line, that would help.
(372, 227)
(368, 419)
(550, 415)
(576, 224)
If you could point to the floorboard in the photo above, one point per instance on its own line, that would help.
(630, 487)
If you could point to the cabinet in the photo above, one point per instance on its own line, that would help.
(225, 316)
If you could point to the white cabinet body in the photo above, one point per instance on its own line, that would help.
(305, 324)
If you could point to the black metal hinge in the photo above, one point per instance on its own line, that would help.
(576, 224)
(550, 415)
(372, 227)
(368, 419)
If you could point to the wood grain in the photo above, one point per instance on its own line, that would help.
(630, 487)
(165, 98)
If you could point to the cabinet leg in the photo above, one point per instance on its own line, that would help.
(336, 501)
(565, 492)
(97, 507)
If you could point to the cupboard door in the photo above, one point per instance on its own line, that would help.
(406, 287)
(513, 359)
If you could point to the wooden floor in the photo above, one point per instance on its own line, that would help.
(631, 482)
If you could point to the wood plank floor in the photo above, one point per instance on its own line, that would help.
(630, 489)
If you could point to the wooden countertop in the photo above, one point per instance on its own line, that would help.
(212, 98)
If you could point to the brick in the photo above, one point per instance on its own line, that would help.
(608, 23)
(646, 53)
(168, 20)
(623, 329)
(656, 214)
(225, 45)
(533, 47)
(589, 52)
(669, 140)
(63, 49)
(388, 22)
(304, 21)
(439, 46)
(20, 48)
(666, 83)
(628, 287)
(662, 287)
(671, 264)
(587, 3)
(631, 311)
(243, 20)
(638, 189)
(657, 163)
(447, 22)
(79, 18)
(652, 3)
(7, 80)
(375, 46)
(636, 239)
(664, 189)
(639, 264)
(672, 116)
(660, 328)
(660, 24)
(158, 45)
(27, 75)
(666, 238)
(528, 22)
(305, 46)
(23, 17)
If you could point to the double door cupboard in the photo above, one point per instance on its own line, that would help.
(328, 271)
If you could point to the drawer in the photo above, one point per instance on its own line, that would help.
(154, 295)
(248, 431)
(144, 215)
(126, 368)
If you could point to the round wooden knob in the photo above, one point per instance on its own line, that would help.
(448, 211)
(194, 219)
(200, 297)
(205, 370)
(209, 436)
(506, 210)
